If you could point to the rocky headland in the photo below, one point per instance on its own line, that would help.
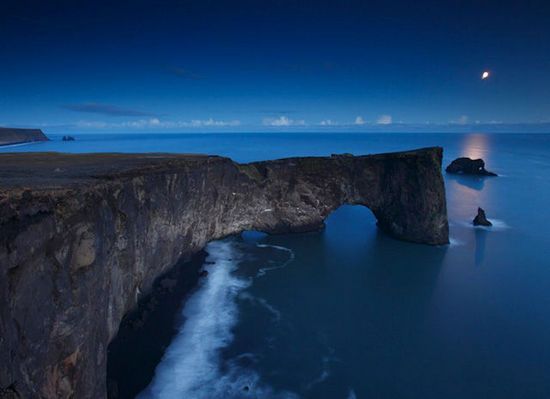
(9, 136)
(83, 237)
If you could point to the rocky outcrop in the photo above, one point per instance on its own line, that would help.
(481, 218)
(468, 166)
(18, 136)
(82, 237)
(68, 138)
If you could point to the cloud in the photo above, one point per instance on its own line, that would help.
(283, 121)
(359, 120)
(211, 122)
(184, 73)
(91, 125)
(328, 122)
(384, 120)
(462, 120)
(106, 109)
(143, 123)
(156, 123)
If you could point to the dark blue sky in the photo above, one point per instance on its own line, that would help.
(275, 65)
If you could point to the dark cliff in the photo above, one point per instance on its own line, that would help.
(17, 136)
(83, 236)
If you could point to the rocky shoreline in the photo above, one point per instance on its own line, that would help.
(83, 237)
(147, 331)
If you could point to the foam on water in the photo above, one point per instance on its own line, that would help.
(325, 373)
(453, 242)
(263, 303)
(498, 225)
(192, 365)
(264, 270)
(19, 144)
(190, 362)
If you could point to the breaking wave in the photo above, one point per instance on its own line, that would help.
(453, 242)
(192, 366)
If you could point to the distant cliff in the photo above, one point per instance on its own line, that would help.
(17, 136)
(83, 236)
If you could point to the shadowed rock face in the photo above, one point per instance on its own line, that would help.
(17, 136)
(468, 166)
(83, 236)
(481, 218)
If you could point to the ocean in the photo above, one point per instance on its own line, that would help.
(349, 312)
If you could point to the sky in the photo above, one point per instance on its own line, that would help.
(262, 65)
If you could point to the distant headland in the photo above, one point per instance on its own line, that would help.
(10, 136)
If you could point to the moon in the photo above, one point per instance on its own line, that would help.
(484, 75)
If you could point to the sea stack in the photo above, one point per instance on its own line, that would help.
(468, 166)
(481, 218)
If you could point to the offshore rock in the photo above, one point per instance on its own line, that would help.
(481, 218)
(79, 248)
(468, 166)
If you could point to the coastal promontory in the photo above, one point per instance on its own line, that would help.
(9, 136)
(83, 237)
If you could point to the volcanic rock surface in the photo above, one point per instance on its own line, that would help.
(481, 218)
(83, 236)
(468, 166)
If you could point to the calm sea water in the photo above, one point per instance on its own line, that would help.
(351, 313)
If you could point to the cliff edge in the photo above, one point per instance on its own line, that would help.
(83, 236)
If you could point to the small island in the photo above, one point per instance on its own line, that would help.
(468, 166)
(10, 136)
